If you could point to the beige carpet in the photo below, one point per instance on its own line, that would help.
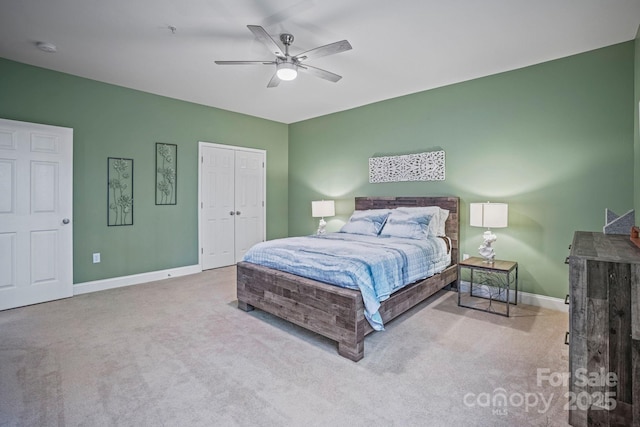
(179, 353)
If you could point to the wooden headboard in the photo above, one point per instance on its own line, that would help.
(452, 204)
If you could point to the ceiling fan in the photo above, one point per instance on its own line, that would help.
(287, 66)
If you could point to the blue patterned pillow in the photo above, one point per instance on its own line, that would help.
(408, 225)
(367, 222)
(438, 217)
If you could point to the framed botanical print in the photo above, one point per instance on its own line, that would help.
(119, 191)
(166, 174)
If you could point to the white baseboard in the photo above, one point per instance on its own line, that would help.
(543, 301)
(531, 299)
(135, 279)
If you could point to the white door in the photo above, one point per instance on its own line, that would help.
(217, 206)
(36, 240)
(249, 201)
(231, 203)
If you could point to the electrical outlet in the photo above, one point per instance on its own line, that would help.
(96, 257)
(465, 256)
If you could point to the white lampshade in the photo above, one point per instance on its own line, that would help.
(323, 208)
(286, 71)
(489, 215)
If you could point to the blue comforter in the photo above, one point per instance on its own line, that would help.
(377, 266)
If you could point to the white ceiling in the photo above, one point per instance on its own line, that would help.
(399, 47)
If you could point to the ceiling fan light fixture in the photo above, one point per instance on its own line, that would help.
(286, 71)
(287, 65)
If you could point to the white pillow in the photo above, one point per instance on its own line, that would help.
(438, 220)
(368, 222)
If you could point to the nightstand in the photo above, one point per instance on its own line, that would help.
(489, 285)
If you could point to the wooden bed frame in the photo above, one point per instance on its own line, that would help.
(338, 313)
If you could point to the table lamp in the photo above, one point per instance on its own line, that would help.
(489, 215)
(320, 209)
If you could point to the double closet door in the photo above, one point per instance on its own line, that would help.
(232, 203)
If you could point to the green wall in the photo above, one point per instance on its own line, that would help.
(112, 121)
(554, 140)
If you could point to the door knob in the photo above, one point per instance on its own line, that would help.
(65, 221)
(232, 213)
(237, 212)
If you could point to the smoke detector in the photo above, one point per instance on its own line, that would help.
(47, 47)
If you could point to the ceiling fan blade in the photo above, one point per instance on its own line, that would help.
(275, 81)
(318, 72)
(325, 50)
(266, 39)
(244, 62)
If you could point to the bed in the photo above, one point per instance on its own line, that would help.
(339, 313)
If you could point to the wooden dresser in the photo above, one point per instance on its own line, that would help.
(604, 326)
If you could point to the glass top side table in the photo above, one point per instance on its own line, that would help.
(489, 286)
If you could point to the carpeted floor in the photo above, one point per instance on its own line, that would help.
(179, 353)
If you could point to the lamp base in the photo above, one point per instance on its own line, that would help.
(488, 260)
(485, 250)
(321, 227)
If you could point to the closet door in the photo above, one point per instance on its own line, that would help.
(232, 211)
(217, 180)
(249, 201)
